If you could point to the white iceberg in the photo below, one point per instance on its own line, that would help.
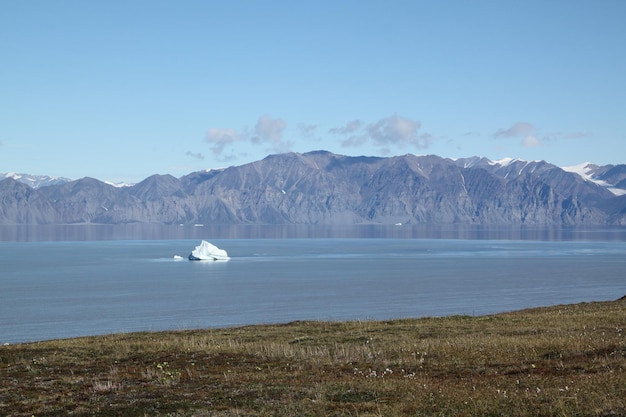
(208, 252)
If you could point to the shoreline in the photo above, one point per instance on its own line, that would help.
(265, 325)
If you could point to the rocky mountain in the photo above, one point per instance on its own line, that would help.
(21, 204)
(324, 188)
(35, 181)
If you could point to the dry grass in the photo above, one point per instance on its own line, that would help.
(557, 361)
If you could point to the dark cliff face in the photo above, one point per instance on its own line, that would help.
(324, 188)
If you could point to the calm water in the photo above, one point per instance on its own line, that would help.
(56, 289)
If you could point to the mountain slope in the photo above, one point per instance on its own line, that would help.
(324, 188)
(21, 204)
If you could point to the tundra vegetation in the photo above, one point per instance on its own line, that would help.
(567, 360)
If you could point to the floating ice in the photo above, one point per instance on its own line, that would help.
(208, 252)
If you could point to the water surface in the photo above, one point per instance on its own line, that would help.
(57, 289)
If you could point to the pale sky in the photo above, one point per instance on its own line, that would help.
(120, 90)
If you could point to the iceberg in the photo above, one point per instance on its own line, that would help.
(208, 252)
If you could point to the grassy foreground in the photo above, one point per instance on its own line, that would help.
(558, 361)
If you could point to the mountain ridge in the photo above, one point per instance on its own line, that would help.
(321, 187)
(34, 181)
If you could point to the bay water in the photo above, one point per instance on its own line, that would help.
(60, 288)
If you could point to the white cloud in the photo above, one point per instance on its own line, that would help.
(517, 130)
(531, 142)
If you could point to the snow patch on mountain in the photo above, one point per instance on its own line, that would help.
(504, 162)
(34, 181)
(118, 184)
(587, 170)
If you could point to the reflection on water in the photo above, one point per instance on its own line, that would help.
(92, 232)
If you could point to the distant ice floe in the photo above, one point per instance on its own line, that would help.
(208, 252)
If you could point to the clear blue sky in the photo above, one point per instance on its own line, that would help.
(120, 90)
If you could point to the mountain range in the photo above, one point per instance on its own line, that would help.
(324, 188)
(35, 181)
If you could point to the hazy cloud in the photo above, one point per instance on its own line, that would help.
(350, 128)
(531, 136)
(524, 130)
(220, 138)
(517, 130)
(427, 138)
(397, 130)
(268, 130)
(354, 141)
(307, 130)
(386, 133)
(196, 155)
(531, 142)
(576, 135)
